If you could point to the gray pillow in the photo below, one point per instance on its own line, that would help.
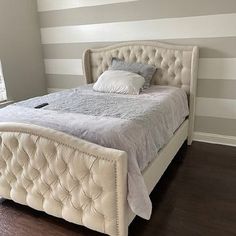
(145, 70)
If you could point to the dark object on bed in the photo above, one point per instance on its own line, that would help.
(41, 105)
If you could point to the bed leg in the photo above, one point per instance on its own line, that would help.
(124, 233)
(189, 140)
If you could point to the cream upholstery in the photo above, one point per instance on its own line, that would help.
(174, 62)
(178, 65)
(82, 182)
(64, 176)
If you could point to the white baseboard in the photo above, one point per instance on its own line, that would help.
(215, 138)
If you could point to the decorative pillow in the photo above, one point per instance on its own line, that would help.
(118, 81)
(146, 71)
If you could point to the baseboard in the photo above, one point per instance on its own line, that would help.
(215, 138)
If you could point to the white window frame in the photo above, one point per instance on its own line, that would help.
(3, 95)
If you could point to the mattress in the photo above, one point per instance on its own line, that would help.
(138, 124)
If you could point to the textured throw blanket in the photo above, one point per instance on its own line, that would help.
(138, 124)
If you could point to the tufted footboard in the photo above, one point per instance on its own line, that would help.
(64, 176)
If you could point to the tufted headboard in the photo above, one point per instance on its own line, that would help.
(177, 65)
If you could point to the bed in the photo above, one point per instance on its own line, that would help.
(82, 180)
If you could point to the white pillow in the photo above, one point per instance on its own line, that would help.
(119, 81)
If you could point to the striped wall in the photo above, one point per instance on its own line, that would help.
(70, 26)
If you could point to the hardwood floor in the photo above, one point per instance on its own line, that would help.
(196, 196)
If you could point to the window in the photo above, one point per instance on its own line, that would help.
(3, 94)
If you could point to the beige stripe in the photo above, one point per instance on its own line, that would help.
(132, 11)
(209, 48)
(215, 125)
(216, 88)
(64, 81)
(70, 50)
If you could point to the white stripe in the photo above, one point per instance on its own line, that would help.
(54, 90)
(63, 66)
(50, 5)
(209, 68)
(217, 68)
(184, 27)
(214, 138)
(215, 107)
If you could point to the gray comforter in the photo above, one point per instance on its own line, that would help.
(138, 124)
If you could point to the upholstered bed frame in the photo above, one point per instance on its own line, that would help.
(82, 182)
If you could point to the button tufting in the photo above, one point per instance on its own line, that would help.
(160, 58)
(148, 55)
(14, 142)
(84, 179)
(3, 164)
(90, 200)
